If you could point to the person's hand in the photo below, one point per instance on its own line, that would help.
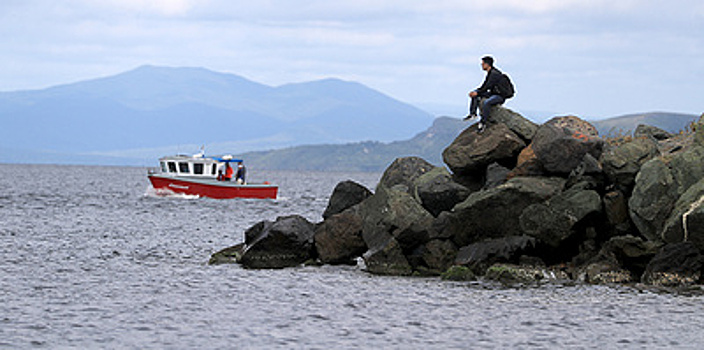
(472, 94)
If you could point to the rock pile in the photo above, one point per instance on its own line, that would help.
(523, 202)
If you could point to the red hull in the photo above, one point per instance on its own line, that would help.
(213, 189)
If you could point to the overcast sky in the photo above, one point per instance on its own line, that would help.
(594, 58)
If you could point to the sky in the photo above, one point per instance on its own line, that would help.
(594, 59)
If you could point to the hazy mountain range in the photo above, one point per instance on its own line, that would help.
(135, 117)
(150, 111)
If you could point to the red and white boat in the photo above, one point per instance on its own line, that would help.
(207, 177)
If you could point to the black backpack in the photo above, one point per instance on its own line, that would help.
(506, 89)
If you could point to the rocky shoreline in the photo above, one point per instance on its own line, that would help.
(522, 203)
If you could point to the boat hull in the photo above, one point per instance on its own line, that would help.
(213, 188)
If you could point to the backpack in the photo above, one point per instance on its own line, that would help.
(506, 89)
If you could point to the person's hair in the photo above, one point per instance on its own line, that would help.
(488, 60)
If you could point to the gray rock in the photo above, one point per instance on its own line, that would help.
(404, 171)
(560, 150)
(390, 213)
(617, 256)
(479, 256)
(622, 163)
(438, 192)
(458, 273)
(228, 255)
(676, 264)
(651, 132)
(286, 242)
(511, 274)
(554, 220)
(654, 195)
(345, 195)
(494, 213)
(521, 126)
(496, 175)
(387, 258)
(338, 239)
(470, 153)
(659, 184)
(438, 255)
(674, 228)
(616, 210)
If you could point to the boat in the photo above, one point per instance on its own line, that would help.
(203, 176)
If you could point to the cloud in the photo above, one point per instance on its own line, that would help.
(559, 52)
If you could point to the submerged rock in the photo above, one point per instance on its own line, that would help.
(519, 274)
(287, 242)
(458, 273)
(479, 256)
(676, 264)
(345, 195)
(228, 255)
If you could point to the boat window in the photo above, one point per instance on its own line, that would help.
(172, 167)
(183, 167)
(198, 168)
(163, 167)
(215, 167)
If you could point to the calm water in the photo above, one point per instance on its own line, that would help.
(89, 259)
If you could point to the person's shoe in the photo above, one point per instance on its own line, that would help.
(470, 117)
(481, 127)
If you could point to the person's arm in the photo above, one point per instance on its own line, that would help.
(492, 79)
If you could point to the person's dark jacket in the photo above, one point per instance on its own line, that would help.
(491, 83)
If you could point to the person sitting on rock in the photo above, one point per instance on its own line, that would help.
(497, 87)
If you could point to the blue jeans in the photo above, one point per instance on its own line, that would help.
(487, 101)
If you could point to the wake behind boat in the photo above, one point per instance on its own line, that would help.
(219, 177)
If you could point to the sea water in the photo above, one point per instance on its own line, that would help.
(90, 258)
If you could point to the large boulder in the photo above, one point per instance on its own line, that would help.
(653, 197)
(494, 213)
(676, 264)
(229, 255)
(675, 230)
(338, 239)
(659, 184)
(561, 143)
(404, 171)
(479, 256)
(470, 153)
(496, 175)
(521, 126)
(345, 195)
(392, 220)
(438, 192)
(287, 242)
(553, 221)
(387, 258)
(622, 163)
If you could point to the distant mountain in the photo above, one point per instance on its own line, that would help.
(361, 156)
(148, 109)
(672, 122)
